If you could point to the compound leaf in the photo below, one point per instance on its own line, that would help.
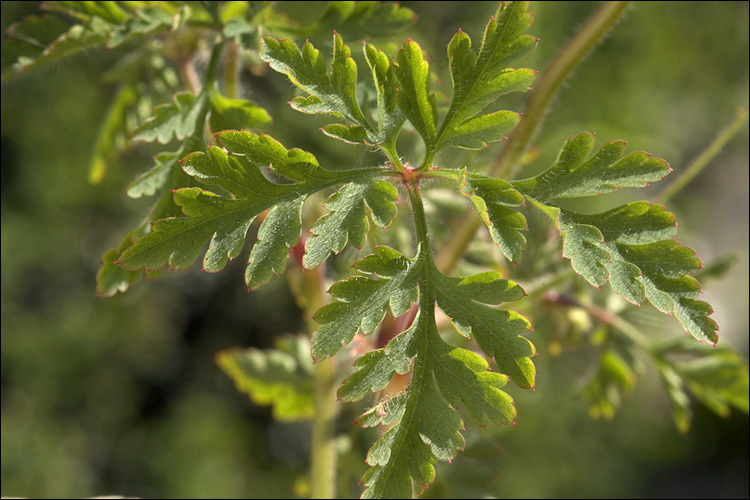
(32, 49)
(390, 117)
(615, 375)
(375, 369)
(147, 20)
(108, 11)
(280, 230)
(236, 114)
(716, 376)
(426, 427)
(575, 173)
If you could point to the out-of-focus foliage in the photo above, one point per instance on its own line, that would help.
(98, 400)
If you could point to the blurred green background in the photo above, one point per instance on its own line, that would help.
(122, 395)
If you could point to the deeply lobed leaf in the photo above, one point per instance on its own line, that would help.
(493, 197)
(496, 331)
(32, 48)
(629, 247)
(479, 79)
(575, 173)
(347, 219)
(362, 302)
(357, 20)
(414, 97)
(177, 242)
(426, 427)
(330, 91)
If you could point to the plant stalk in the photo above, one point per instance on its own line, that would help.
(706, 156)
(323, 459)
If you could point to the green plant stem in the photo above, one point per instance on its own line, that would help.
(232, 70)
(323, 453)
(323, 458)
(702, 161)
(570, 56)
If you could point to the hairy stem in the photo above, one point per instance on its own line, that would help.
(706, 156)
(570, 56)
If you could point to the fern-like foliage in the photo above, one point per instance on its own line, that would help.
(210, 190)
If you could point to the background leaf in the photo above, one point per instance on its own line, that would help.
(281, 377)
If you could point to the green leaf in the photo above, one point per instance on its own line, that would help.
(375, 369)
(39, 31)
(167, 163)
(236, 113)
(464, 377)
(331, 91)
(148, 183)
(280, 231)
(107, 146)
(476, 132)
(358, 20)
(347, 219)
(716, 376)
(492, 197)
(263, 150)
(390, 117)
(146, 20)
(112, 278)
(413, 97)
(353, 134)
(575, 173)
(179, 120)
(33, 50)
(426, 427)
(280, 377)
(496, 331)
(361, 302)
(107, 10)
(479, 79)
(614, 376)
(630, 247)
(177, 242)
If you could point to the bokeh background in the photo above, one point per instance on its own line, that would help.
(122, 395)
